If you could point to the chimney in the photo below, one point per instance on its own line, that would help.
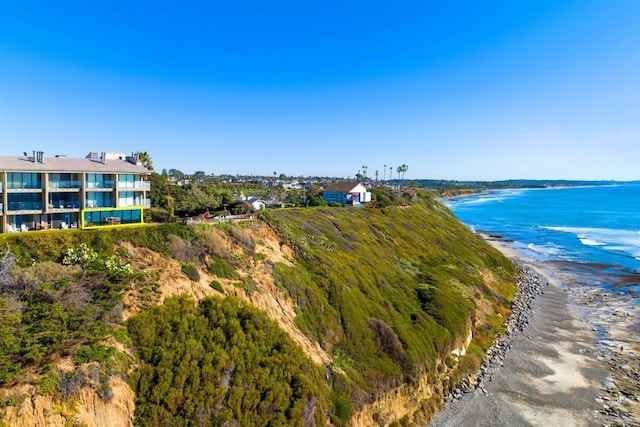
(33, 159)
(40, 156)
(103, 158)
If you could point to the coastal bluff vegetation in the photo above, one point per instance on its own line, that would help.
(316, 316)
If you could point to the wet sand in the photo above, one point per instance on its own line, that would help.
(554, 374)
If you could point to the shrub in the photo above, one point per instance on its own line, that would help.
(243, 239)
(236, 366)
(387, 340)
(217, 286)
(221, 268)
(89, 259)
(191, 271)
(341, 409)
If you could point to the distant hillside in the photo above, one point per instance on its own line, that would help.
(303, 317)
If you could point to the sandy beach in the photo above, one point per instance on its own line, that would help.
(573, 364)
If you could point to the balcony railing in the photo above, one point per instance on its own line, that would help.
(103, 184)
(64, 184)
(138, 185)
(65, 204)
(93, 204)
(25, 206)
(24, 186)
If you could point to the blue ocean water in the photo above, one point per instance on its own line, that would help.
(596, 225)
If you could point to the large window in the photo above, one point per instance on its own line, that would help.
(64, 180)
(24, 201)
(130, 198)
(99, 180)
(99, 200)
(24, 180)
(105, 217)
(64, 201)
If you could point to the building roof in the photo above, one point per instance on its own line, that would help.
(68, 164)
(342, 186)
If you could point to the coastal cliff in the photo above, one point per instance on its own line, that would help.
(382, 310)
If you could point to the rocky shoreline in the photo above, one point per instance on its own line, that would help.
(529, 286)
(561, 360)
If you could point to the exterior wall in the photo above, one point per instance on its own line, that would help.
(49, 200)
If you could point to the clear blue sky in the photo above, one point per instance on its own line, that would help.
(455, 90)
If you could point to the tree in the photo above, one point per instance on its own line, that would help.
(176, 173)
(384, 172)
(145, 158)
(401, 170)
(159, 190)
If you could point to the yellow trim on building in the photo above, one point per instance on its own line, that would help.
(101, 226)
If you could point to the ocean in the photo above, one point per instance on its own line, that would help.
(593, 232)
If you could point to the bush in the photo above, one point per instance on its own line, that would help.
(221, 268)
(243, 239)
(341, 409)
(217, 286)
(191, 271)
(220, 363)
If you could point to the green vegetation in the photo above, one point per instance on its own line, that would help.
(221, 362)
(50, 310)
(388, 289)
(389, 292)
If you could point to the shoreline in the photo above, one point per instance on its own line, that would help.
(563, 365)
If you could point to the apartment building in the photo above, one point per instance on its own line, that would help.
(100, 190)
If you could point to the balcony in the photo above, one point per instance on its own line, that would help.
(64, 205)
(138, 185)
(24, 206)
(94, 204)
(104, 185)
(64, 185)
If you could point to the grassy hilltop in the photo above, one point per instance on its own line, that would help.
(385, 294)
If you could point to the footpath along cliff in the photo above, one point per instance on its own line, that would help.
(321, 316)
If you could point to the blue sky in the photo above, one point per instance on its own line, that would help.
(455, 90)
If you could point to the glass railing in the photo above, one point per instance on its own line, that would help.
(93, 204)
(103, 184)
(25, 206)
(64, 184)
(24, 186)
(65, 204)
(138, 185)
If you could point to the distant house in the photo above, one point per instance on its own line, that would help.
(409, 193)
(257, 204)
(347, 193)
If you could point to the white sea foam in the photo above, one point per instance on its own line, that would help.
(613, 240)
(497, 196)
(548, 249)
(589, 242)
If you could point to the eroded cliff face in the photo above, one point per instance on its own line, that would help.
(416, 402)
(88, 406)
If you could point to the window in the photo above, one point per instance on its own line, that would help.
(99, 180)
(24, 180)
(24, 201)
(99, 200)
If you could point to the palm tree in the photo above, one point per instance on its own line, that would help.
(376, 176)
(384, 172)
(145, 158)
(402, 169)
